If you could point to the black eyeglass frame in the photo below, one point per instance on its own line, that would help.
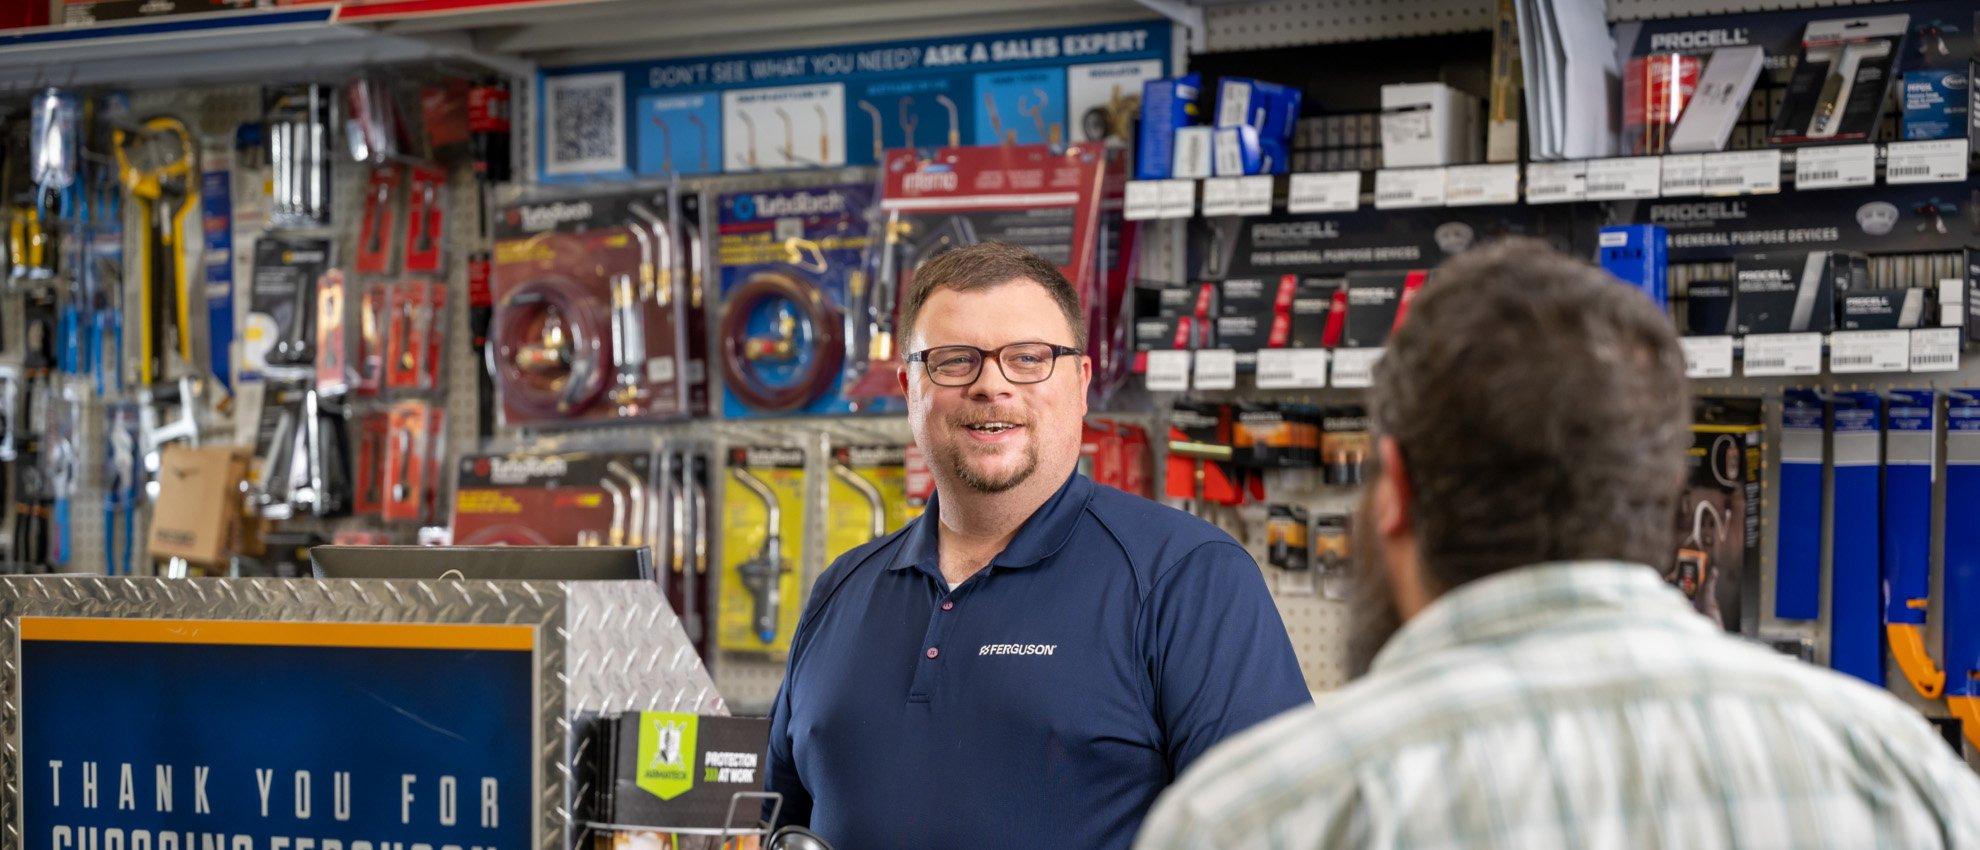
(985, 355)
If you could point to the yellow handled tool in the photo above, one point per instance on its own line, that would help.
(155, 165)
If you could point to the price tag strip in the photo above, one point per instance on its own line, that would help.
(1178, 199)
(1708, 356)
(1292, 368)
(1475, 185)
(1334, 191)
(1220, 196)
(1771, 355)
(1942, 161)
(1143, 201)
(1835, 167)
(1216, 369)
(1355, 367)
(1935, 349)
(1741, 173)
(1623, 178)
(1555, 182)
(1168, 371)
(1858, 352)
(1404, 188)
(1681, 174)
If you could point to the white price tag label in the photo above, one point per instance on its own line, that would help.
(1942, 161)
(1216, 369)
(1835, 167)
(1622, 178)
(1220, 196)
(1852, 352)
(1144, 200)
(1292, 368)
(1178, 199)
(1334, 191)
(1254, 195)
(1682, 171)
(1708, 356)
(1769, 355)
(1402, 188)
(1741, 173)
(1555, 182)
(1168, 371)
(1473, 185)
(1355, 367)
(1935, 349)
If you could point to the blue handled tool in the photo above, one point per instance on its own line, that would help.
(1909, 460)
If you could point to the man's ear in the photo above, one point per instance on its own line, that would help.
(901, 374)
(1395, 501)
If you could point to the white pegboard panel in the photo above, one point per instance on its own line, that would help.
(1252, 26)
(1640, 10)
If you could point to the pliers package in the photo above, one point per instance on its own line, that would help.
(590, 318)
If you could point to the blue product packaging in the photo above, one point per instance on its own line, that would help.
(1798, 569)
(1637, 254)
(1962, 561)
(791, 261)
(1237, 152)
(1856, 575)
(1166, 106)
(1935, 104)
(1909, 459)
(1270, 108)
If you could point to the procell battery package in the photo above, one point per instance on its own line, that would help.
(1842, 85)
(590, 313)
(1045, 201)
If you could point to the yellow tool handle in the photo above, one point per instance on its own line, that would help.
(147, 215)
(181, 291)
(1908, 646)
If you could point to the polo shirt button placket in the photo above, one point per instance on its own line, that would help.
(933, 652)
(948, 605)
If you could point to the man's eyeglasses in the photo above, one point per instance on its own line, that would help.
(1021, 362)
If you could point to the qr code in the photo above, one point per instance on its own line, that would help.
(587, 123)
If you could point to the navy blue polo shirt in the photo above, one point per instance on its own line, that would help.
(1046, 701)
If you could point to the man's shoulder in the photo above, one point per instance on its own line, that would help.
(1151, 534)
(874, 554)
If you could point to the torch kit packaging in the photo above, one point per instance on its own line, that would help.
(763, 520)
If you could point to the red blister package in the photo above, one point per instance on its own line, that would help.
(368, 465)
(369, 358)
(411, 443)
(426, 204)
(332, 363)
(374, 254)
(413, 334)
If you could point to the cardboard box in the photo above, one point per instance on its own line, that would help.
(199, 502)
(1428, 124)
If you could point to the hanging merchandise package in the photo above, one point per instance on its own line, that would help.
(1841, 87)
(1045, 202)
(1856, 580)
(589, 313)
(763, 515)
(574, 498)
(281, 327)
(1717, 561)
(1798, 569)
(790, 267)
(1961, 540)
(868, 496)
(1910, 449)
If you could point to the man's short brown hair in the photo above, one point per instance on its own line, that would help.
(1542, 413)
(988, 264)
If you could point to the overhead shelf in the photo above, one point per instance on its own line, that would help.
(227, 47)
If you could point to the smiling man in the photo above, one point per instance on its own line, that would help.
(1036, 657)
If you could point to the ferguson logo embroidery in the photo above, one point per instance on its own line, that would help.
(1017, 649)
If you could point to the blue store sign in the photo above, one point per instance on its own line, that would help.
(235, 735)
(841, 106)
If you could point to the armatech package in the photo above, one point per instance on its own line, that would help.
(590, 313)
(763, 521)
(1788, 291)
(1842, 84)
(867, 498)
(791, 270)
(676, 771)
(1717, 561)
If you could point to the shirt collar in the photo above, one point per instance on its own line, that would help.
(1538, 597)
(1043, 534)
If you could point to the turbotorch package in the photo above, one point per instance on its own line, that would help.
(868, 496)
(792, 266)
(763, 520)
(571, 498)
(590, 314)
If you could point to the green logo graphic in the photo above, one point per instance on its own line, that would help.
(667, 753)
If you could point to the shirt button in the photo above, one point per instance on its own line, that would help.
(932, 652)
(948, 605)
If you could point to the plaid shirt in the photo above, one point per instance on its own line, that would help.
(1579, 705)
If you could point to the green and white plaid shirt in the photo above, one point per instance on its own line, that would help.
(1579, 705)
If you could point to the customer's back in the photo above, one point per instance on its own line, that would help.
(1531, 681)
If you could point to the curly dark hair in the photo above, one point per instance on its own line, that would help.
(1542, 412)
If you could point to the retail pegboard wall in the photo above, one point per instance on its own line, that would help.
(1637, 10)
(1252, 26)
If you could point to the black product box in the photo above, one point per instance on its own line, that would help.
(1286, 542)
(1243, 334)
(671, 770)
(1717, 559)
(1166, 318)
(1376, 301)
(1243, 296)
(1885, 310)
(1709, 308)
(1842, 84)
(1788, 291)
(1312, 308)
(85, 12)
(1344, 444)
(1267, 436)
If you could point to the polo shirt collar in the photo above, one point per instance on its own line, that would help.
(1043, 534)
